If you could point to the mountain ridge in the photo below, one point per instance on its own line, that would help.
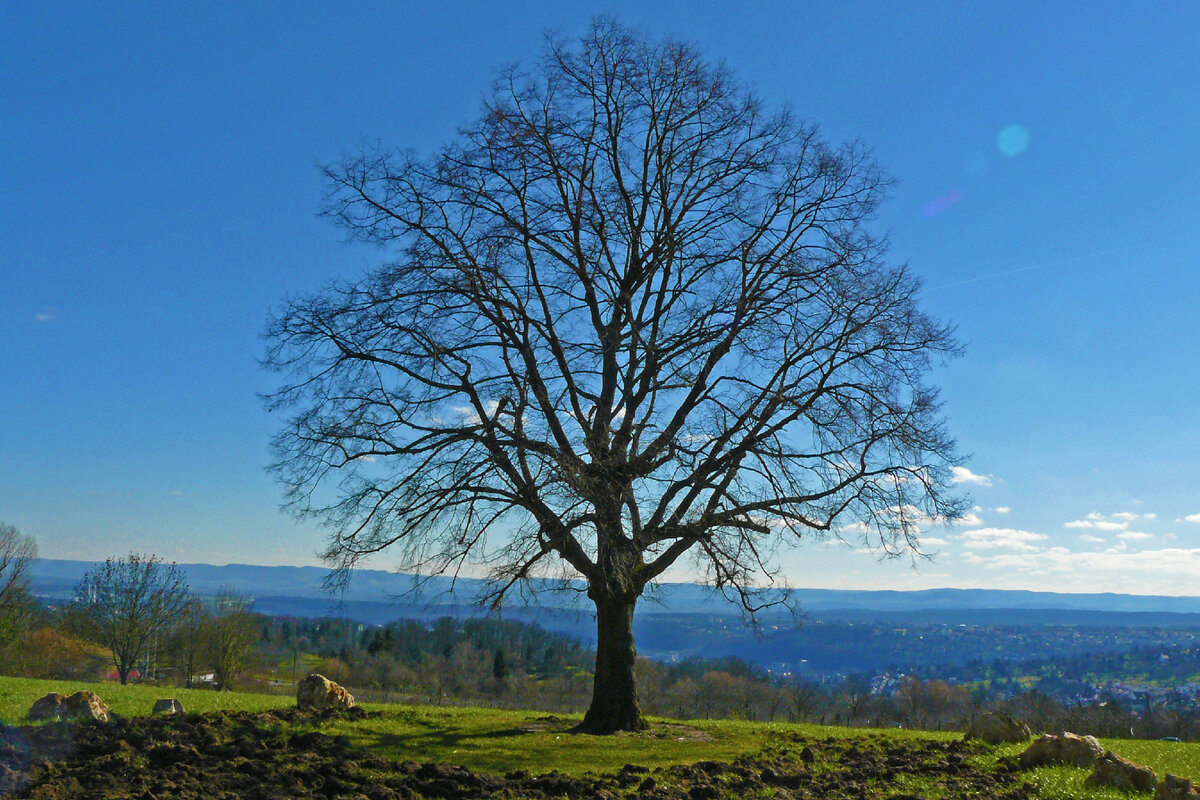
(55, 579)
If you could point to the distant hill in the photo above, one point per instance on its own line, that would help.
(375, 592)
(839, 631)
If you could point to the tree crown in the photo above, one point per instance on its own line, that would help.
(630, 314)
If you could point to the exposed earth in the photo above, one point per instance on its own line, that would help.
(255, 755)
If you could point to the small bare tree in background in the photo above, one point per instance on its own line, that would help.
(232, 632)
(629, 316)
(17, 550)
(187, 640)
(125, 603)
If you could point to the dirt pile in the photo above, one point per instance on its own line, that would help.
(228, 756)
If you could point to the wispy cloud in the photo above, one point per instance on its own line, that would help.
(469, 417)
(1002, 509)
(1098, 524)
(46, 316)
(1170, 564)
(964, 475)
(1022, 559)
(1109, 522)
(1129, 516)
(1001, 539)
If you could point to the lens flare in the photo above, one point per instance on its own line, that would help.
(936, 207)
(1013, 140)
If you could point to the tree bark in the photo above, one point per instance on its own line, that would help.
(614, 691)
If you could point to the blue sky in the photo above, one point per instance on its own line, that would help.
(159, 190)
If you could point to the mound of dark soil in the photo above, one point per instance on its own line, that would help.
(236, 756)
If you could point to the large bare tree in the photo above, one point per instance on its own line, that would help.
(629, 314)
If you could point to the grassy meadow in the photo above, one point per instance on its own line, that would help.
(18, 694)
(497, 741)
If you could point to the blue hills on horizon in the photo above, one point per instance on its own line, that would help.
(679, 620)
(55, 579)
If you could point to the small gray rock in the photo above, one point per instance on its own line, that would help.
(168, 705)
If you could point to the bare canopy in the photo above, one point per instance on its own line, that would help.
(127, 603)
(629, 314)
(17, 551)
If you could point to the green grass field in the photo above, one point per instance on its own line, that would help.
(18, 694)
(499, 741)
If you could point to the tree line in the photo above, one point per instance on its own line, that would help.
(133, 614)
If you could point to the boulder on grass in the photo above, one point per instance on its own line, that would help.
(84, 706)
(167, 705)
(317, 693)
(48, 707)
(996, 728)
(79, 706)
(1121, 773)
(1174, 787)
(1065, 748)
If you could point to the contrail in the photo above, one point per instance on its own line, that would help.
(1031, 268)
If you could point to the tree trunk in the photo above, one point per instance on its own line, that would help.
(614, 690)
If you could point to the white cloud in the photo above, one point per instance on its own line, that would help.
(914, 516)
(1110, 522)
(1192, 518)
(1021, 559)
(1128, 516)
(45, 316)
(835, 544)
(964, 475)
(1174, 565)
(1001, 539)
(1002, 509)
(1024, 561)
(770, 522)
(1170, 570)
(469, 417)
(933, 541)
(1100, 525)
